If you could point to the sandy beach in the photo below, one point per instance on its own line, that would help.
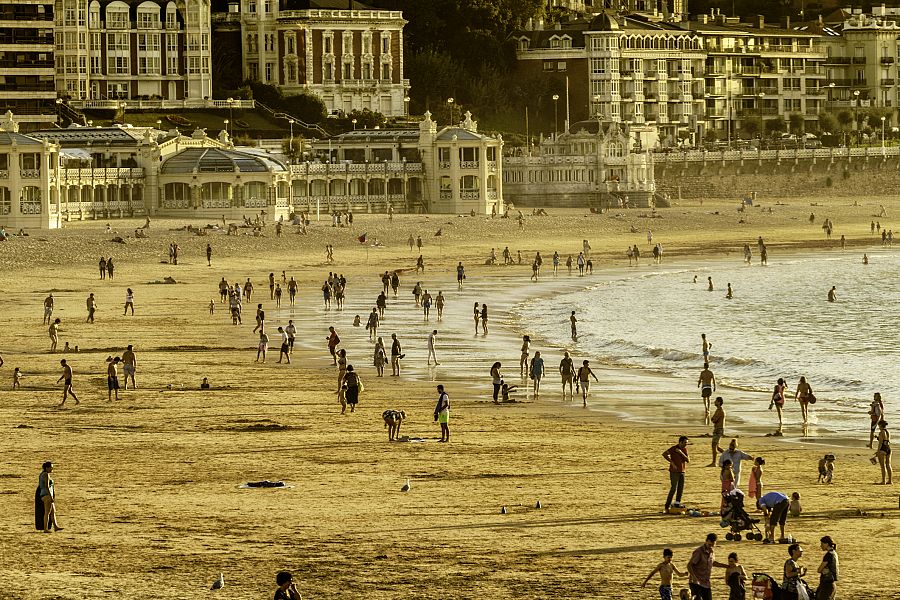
(148, 488)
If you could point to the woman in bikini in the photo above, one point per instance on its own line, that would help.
(484, 319)
(477, 314)
(778, 403)
(804, 395)
(496, 380)
(884, 453)
(523, 359)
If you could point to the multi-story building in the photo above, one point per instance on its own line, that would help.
(348, 54)
(861, 69)
(148, 49)
(26, 61)
(685, 77)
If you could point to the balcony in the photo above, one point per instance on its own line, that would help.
(887, 60)
(748, 72)
(768, 91)
(444, 164)
(650, 75)
(468, 164)
(714, 91)
(859, 60)
(887, 81)
(837, 60)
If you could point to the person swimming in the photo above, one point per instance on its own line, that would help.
(832, 294)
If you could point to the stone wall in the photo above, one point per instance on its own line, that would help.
(851, 177)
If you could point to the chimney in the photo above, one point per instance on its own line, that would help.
(760, 22)
(702, 18)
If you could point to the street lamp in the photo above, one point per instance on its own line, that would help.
(227, 129)
(556, 114)
(450, 104)
(124, 106)
(761, 124)
(354, 124)
(291, 141)
(230, 102)
(882, 133)
(406, 106)
(856, 114)
(159, 124)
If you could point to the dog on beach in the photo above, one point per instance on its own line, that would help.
(392, 421)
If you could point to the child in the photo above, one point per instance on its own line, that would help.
(821, 470)
(756, 485)
(505, 390)
(665, 570)
(826, 469)
(735, 578)
(212, 307)
(794, 507)
(727, 477)
(356, 321)
(17, 378)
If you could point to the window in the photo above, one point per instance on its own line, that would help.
(193, 44)
(598, 66)
(171, 65)
(148, 65)
(554, 42)
(171, 21)
(523, 43)
(367, 43)
(31, 200)
(348, 70)
(96, 65)
(193, 65)
(491, 153)
(270, 69)
(386, 43)
(171, 43)
(5, 200)
(468, 183)
(118, 65)
(445, 183)
(252, 7)
(204, 41)
(253, 71)
(205, 63)
(386, 71)
(69, 16)
(148, 20)
(291, 72)
(117, 42)
(444, 155)
(367, 71)
(327, 42)
(549, 65)
(82, 41)
(267, 6)
(468, 154)
(290, 45)
(561, 65)
(71, 63)
(116, 19)
(327, 72)
(148, 42)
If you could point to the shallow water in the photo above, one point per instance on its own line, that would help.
(779, 324)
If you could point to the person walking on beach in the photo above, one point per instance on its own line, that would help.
(460, 275)
(584, 382)
(555, 263)
(700, 567)
(91, 308)
(536, 372)
(129, 366)
(417, 293)
(442, 413)
(420, 264)
(48, 309)
(579, 261)
(379, 358)
(777, 402)
(248, 290)
(46, 495)
(333, 341)
(260, 318)
(484, 319)
(477, 315)
(677, 457)
(636, 253)
(285, 351)
(396, 355)
(54, 334)
(112, 378)
(573, 322)
(736, 456)
(426, 304)
(828, 570)
(666, 570)
(66, 378)
(567, 372)
(707, 384)
(292, 290)
(718, 423)
(710, 287)
(372, 324)
(524, 356)
(102, 267)
(263, 346)
(876, 413)
(569, 264)
(353, 387)
(884, 453)
(208, 255)
(804, 395)
(129, 302)
(431, 344)
(395, 283)
(439, 305)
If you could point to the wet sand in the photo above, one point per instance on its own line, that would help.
(148, 488)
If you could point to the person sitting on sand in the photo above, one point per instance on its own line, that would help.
(506, 390)
(204, 385)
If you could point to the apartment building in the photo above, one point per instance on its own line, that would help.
(347, 53)
(147, 49)
(686, 77)
(862, 54)
(26, 61)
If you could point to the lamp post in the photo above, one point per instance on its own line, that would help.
(124, 106)
(354, 124)
(882, 134)
(556, 114)
(159, 124)
(291, 141)
(59, 109)
(450, 104)
(227, 129)
(230, 102)
(761, 123)
(406, 106)
(856, 114)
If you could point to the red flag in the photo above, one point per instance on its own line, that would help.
(362, 238)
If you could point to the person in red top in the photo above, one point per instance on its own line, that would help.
(677, 457)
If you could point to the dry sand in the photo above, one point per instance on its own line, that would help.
(147, 488)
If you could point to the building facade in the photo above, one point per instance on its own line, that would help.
(26, 61)
(694, 80)
(348, 54)
(134, 49)
(58, 175)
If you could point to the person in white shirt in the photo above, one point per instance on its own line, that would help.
(285, 348)
(735, 456)
(431, 342)
(291, 332)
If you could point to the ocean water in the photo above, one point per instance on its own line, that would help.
(779, 324)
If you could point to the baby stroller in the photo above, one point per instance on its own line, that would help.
(737, 519)
(764, 587)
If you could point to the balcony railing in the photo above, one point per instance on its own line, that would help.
(887, 81)
(837, 60)
(887, 60)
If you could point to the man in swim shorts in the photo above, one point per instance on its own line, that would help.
(112, 377)
(707, 385)
(129, 365)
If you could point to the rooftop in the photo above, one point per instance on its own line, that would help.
(92, 135)
(7, 138)
(214, 160)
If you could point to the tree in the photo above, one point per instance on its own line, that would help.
(292, 149)
(774, 126)
(797, 122)
(844, 118)
(305, 107)
(827, 123)
(750, 127)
